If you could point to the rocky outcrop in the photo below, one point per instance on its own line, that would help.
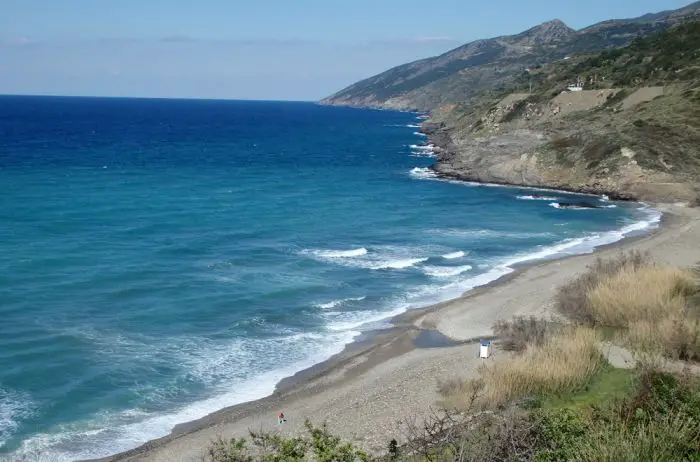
(530, 157)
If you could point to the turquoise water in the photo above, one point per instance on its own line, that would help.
(162, 259)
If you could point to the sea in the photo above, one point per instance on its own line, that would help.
(162, 259)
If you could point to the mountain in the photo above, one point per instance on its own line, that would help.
(633, 132)
(491, 66)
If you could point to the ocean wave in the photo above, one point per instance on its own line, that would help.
(339, 253)
(398, 264)
(423, 173)
(413, 126)
(107, 433)
(445, 271)
(381, 258)
(478, 234)
(359, 320)
(336, 303)
(557, 205)
(537, 198)
(423, 147)
(419, 134)
(453, 255)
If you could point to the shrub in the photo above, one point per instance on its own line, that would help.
(660, 421)
(562, 363)
(484, 437)
(562, 432)
(521, 331)
(319, 444)
(670, 438)
(234, 450)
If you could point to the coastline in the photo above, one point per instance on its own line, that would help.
(367, 392)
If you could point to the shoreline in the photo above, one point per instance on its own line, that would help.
(417, 330)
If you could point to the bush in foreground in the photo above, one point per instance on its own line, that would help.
(319, 445)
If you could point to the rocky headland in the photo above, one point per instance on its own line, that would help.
(611, 109)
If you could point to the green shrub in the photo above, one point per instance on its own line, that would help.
(318, 445)
(562, 432)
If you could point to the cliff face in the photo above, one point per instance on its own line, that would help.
(487, 66)
(634, 135)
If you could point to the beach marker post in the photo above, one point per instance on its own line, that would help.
(484, 349)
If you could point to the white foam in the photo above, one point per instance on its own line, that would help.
(336, 303)
(381, 257)
(398, 264)
(423, 147)
(413, 126)
(537, 198)
(445, 271)
(358, 320)
(423, 173)
(453, 255)
(557, 205)
(14, 406)
(419, 134)
(339, 253)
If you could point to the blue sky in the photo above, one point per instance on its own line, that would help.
(262, 49)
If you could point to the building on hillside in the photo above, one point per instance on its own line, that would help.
(578, 86)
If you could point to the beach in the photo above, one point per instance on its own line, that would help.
(387, 379)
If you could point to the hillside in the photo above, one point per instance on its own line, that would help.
(490, 66)
(632, 133)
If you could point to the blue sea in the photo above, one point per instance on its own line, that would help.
(162, 259)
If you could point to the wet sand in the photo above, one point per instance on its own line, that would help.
(367, 393)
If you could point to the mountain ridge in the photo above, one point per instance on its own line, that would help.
(491, 65)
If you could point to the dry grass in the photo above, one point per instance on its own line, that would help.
(656, 308)
(560, 364)
(572, 299)
(648, 293)
(676, 337)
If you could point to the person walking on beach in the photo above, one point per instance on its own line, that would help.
(281, 418)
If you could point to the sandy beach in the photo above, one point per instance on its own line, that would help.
(369, 392)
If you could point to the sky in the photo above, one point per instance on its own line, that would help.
(261, 49)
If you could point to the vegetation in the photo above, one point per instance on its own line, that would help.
(319, 444)
(654, 308)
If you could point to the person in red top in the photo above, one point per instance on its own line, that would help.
(281, 418)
